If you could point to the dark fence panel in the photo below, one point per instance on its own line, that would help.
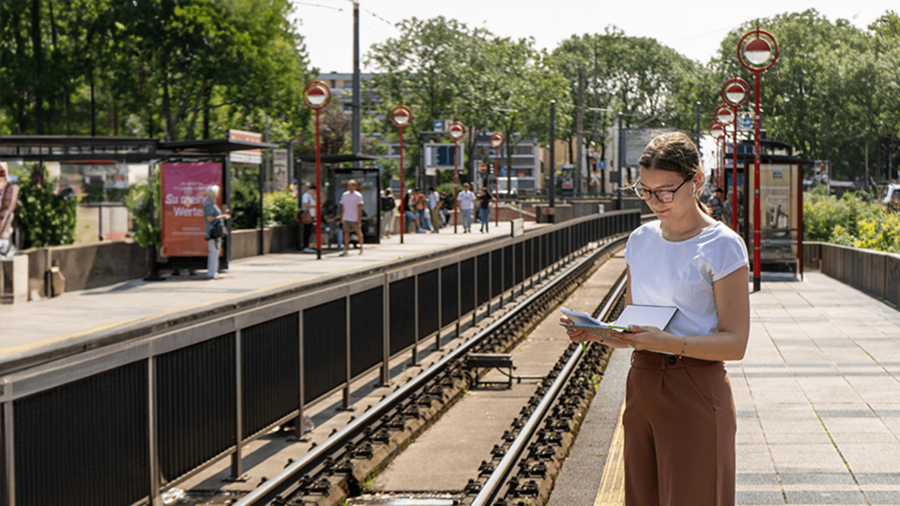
(496, 272)
(508, 266)
(366, 330)
(324, 348)
(428, 303)
(467, 284)
(84, 442)
(520, 261)
(529, 257)
(403, 314)
(270, 372)
(484, 278)
(197, 400)
(449, 294)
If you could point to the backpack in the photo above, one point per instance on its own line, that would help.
(387, 204)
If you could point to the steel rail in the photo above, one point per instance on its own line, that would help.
(268, 491)
(498, 477)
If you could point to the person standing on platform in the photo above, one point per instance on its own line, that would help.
(387, 213)
(409, 209)
(422, 211)
(466, 198)
(211, 213)
(351, 216)
(434, 208)
(679, 419)
(308, 202)
(484, 209)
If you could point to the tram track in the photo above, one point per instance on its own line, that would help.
(336, 469)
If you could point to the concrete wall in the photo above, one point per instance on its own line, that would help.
(105, 263)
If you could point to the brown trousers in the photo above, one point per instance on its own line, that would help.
(679, 426)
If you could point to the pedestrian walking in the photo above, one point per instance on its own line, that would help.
(387, 213)
(434, 208)
(211, 214)
(466, 199)
(679, 420)
(308, 204)
(484, 209)
(351, 216)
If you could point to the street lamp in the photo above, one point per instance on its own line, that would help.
(401, 117)
(317, 95)
(496, 142)
(725, 116)
(456, 132)
(735, 93)
(756, 47)
(716, 130)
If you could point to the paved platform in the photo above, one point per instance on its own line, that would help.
(77, 317)
(817, 398)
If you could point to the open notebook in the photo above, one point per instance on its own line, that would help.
(645, 316)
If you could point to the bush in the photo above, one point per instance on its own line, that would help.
(853, 220)
(137, 201)
(245, 201)
(48, 219)
(280, 207)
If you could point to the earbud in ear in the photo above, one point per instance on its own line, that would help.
(693, 189)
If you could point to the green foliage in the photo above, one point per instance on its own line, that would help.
(138, 203)
(853, 220)
(245, 200)
(48, 219)
(280, 207)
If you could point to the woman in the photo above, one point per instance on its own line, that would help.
(679, 418)
(211, 213)
(466, 198)
(484, 209)
(387, 213)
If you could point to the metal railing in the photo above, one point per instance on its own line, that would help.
(119, 424)
(871, 271)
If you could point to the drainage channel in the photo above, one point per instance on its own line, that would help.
(338, 468)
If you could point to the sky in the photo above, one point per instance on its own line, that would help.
(693, 28)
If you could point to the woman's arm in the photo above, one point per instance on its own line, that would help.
(581, 335)
(729, 343)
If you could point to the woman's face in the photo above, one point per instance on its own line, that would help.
(682, 203)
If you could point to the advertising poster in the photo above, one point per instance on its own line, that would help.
(183, 192)
(778, 211)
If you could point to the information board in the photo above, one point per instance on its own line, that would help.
(183, 193)
(779, 210)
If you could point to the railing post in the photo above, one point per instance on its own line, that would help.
(298, 427)
(440, 305)
(490, 277)
(346, 401)
(459, 295)
(386, 333)
(9, 450)
(153, 432)
(415, 350)
(237, 468)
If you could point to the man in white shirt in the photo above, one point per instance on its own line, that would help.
(351, 215)
(434, 206)
(308, 202)
(466, 198)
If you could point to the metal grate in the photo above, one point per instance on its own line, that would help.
(366, 330)
(403, 314)
(324, 348)
(496, 272)
(428, 303)
(520, 262)
(197, 402)
(84, 442)
(270, 372)
(529, 257)
(449, 294)
(467, 284)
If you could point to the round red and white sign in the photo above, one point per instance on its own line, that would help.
(496, 140)
(456, 131)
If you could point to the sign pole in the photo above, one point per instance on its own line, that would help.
(316, 95)
(402, 195)
(455, 182)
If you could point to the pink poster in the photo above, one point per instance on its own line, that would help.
(183, 193)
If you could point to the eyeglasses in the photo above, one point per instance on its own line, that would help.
(664, 196)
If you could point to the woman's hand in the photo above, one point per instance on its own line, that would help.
(577, 335)
(651, 339)
(223, 216)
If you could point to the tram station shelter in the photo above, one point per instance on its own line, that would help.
(781, 205)
(185, 168)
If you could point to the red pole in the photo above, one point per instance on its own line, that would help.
(455, 181)
(318, 193)
(734, 208)
(402, 195)
(757, 263)
(496, 189)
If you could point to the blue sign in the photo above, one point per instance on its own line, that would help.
(503, 171)
(746, 123)
(438, 125)
(601, 165)
(446, 156)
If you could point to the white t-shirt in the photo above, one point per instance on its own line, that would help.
(350, 203)
(433, 199)
(311, 200)
(681, 274)
(465, 199)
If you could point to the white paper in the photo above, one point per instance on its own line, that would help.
(583, 319)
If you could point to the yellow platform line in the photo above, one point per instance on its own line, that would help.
(612, 485)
